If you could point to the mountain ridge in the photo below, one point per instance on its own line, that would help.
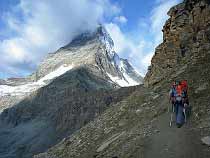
(91, 48)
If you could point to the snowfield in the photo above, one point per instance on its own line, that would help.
(30, 87)
(124, 82)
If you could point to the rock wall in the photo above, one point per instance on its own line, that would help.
(186, 37)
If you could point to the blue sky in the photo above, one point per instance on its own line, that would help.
(29, 29)
(134, 11)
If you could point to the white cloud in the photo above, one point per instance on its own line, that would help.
(121, 19)
(47, 25)
(40, 27)
(159, 17)
(119, 38)
(150, 33)
(147, 59)
(126, 47)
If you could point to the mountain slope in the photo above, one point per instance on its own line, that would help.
(138, 126)
(55, 111)
(70, 88)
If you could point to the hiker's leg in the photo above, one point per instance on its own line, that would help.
(180, 115)
(178, 124)
(185, 112)
(176, 106)
(173, 107)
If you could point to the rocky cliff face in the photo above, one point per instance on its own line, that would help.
(186, 38)
(138, 126)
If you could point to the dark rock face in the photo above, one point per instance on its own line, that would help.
(186, 38)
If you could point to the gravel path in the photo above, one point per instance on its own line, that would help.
(173, 142)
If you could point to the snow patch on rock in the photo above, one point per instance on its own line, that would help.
(125, 81)
(58, 72)
(6, 90)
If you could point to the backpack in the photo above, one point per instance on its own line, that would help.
(179, 90)
(184, 88)
(184, 85)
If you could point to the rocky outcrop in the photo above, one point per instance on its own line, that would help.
(185, 39)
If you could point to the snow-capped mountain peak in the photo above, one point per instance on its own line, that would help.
(107, 41)
(94, 50)
(126, 75)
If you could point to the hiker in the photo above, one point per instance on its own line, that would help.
(179, 106)
(172, 100)
(184, 92)
(180, 103)
(172, 93)
(185, 99)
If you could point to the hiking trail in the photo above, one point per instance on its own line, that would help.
(173, 142)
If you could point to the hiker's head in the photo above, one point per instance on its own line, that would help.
(174, 84)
